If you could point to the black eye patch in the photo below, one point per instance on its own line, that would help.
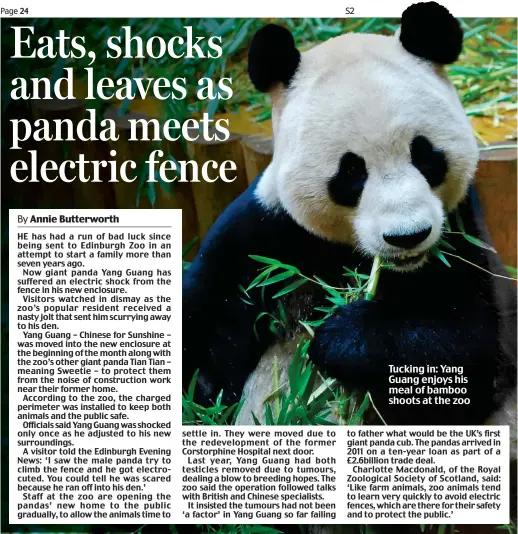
(429, 161)
(346, 186)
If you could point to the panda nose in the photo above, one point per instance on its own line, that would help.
(407, 241)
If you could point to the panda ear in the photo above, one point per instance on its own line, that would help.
(429, 31)
(272, 57)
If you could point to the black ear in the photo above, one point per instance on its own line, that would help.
(430, 31)
(272, 57)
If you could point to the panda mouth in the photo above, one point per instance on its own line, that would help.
(407, 261)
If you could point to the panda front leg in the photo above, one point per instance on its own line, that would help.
(359, 343)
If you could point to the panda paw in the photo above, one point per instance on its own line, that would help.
(350, 345)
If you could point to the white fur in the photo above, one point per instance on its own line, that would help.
(366, 94)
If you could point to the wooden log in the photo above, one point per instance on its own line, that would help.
(257, 152)
(212, 198)
(495, 183)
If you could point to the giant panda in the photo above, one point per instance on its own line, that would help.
(373, 154)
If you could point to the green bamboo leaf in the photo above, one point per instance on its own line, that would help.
(304, 382)
(282, 312)
(361, 410)
(192, 385)
(445, 244)
(277, 263)
(438, 254)
(261, 276)
(189, 246)
(328, 288)
(259, 529)
(321, 420)
(230, 413)
(240, 36)
(324, 309)
(151, 193)
(268, 415)
(478, 242)
(289, 288)
(262, 259)
(355, 274)
(308, 326)
(285, 404)
(295, 368)
(277, 278)
(213, 107)
(124, 107)
(122, 66)
(474, 31)
(310, 385)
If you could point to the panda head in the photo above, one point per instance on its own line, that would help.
(371, 145)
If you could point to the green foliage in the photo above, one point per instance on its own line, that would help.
(438, 253)
(510, 528)
(186, 250)
(218, 414)
(441, 254)
(438, 529)
(298, 402)
(275, 272)
(299, 406)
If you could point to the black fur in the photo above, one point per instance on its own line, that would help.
(435, 315)
(429, 31)
(218, 325)
(346, 186)
(272, 57)
(428, 160)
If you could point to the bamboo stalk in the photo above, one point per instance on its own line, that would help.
(370, 291)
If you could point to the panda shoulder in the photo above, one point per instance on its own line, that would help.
(247, 226)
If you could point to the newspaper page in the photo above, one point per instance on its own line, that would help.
(259, 267)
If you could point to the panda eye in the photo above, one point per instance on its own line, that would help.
(346, 186)
(429, 161)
